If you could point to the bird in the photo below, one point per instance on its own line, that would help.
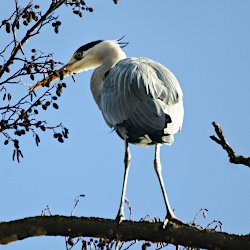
(139, 98)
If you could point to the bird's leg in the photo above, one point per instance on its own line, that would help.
(127, 158)
(158, 168)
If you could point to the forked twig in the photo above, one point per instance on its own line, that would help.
(221, 140)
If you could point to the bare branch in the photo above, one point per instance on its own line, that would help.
(184, 234)
(31, 32)
(221, 140)
(22, 118)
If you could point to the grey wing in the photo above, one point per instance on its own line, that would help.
(142, 99)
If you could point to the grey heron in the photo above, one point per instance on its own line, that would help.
(138, 97)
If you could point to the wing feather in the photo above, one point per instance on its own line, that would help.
(142, 93)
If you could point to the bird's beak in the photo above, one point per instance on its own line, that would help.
(64, 71)
(74, 66)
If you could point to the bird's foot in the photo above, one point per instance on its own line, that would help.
(173, 219)
(120, 217)
(165, 222)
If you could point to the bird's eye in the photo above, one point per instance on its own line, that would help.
(79, 56)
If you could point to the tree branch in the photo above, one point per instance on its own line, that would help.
(31, 32)
(233, 157)
(185, 235)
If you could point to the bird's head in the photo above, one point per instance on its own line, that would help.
(88, 56)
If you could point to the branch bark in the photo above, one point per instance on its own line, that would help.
(221, 140)
(184, 234)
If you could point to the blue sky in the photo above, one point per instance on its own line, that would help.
(206, 45)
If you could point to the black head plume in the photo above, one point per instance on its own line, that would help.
(87, 46)
(121, 43)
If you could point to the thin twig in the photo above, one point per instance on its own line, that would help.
(221, 140)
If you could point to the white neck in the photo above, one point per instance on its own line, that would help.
(109, 54)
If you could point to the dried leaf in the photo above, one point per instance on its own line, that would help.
(7, 27)
(9, 97)
(70, 242)
(37, 139)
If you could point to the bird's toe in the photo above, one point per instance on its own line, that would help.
(165, 222)
(120, 217)
(172, 219)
